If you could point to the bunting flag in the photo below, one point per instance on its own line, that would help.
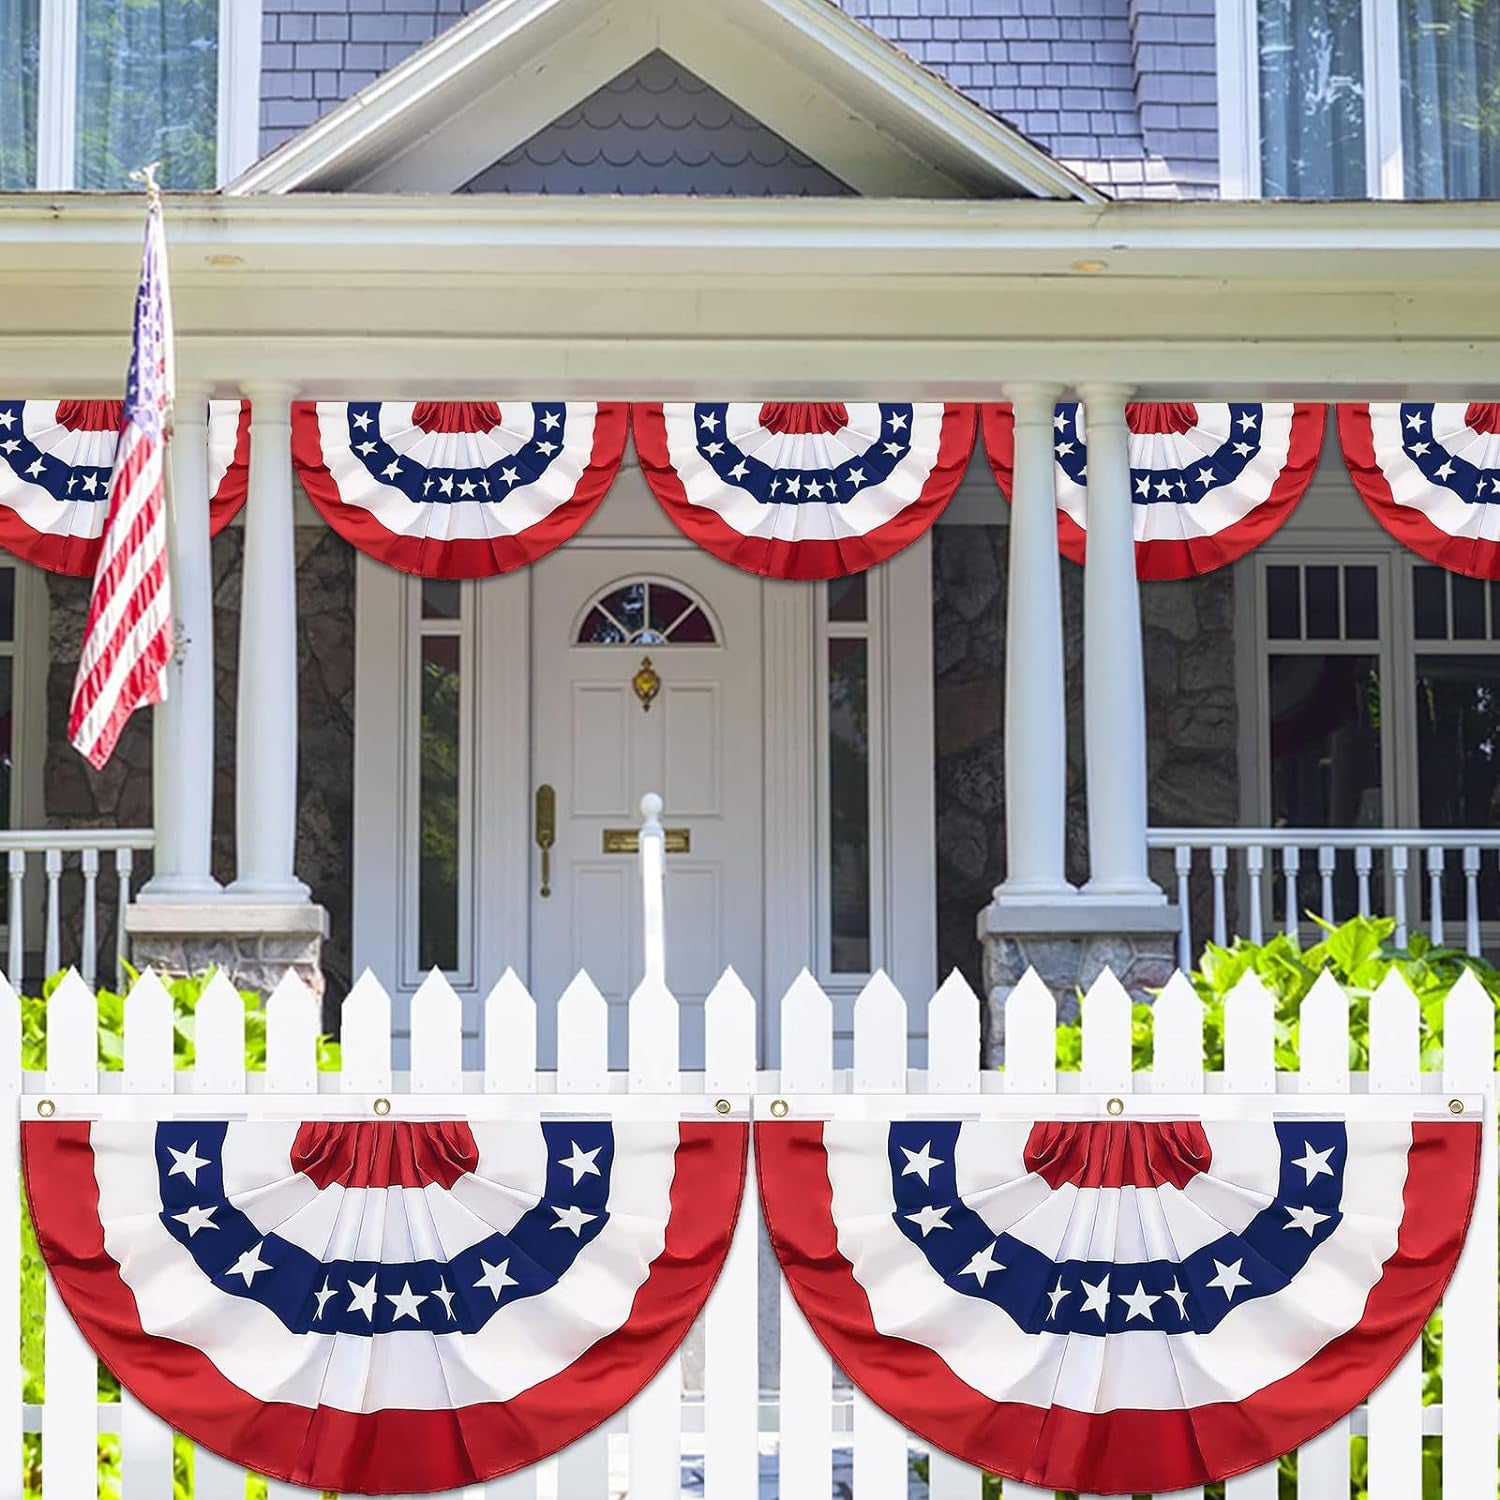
(1430, 474)
(1210, 480)
(457, 489)
(1119, 1307)
(383, 1307)
(804, 489)
(55, 463)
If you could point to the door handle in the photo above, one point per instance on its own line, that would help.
(546, 832)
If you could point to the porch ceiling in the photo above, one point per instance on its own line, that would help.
(353, 295)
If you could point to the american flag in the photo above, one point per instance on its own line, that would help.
(127, 642)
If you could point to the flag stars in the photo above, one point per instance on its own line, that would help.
(898, 421)
(187, 1163)
(709, 421)
(467, 487)
(1229, 1280)
(1247, 421)
(509, 476)
(892, 450)
(249, 1265)
(197, 1217)
(1314, 1163)
(713, 450)
(983, 1264)
(739, 470)
(392, 469)
(572, 1218)
(929, 1218)
(1416, 421)
(920, 1163)
(495, 1278)
(362, 420)
(1055, 1297)
(854, 478)
(362, 1298)
(444, 1294)
(406, 1304)
(90, 484)
(1205, 477)
(1306, 1219)
(1060, 424)
(1096, 1295)
(321, 1296)
(1445, 469)
(550, 420)
(34, 469)
(1143, 485)
(1063, 449)
(582, 1163)
(1179, 1296)
(1140, 1302)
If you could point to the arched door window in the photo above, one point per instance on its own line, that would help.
(646, 612)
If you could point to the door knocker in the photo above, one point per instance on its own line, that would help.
(647, 684)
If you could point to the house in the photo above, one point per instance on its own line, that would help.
(1029, 202)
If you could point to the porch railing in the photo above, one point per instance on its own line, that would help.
(53, 907)
(1444, 881)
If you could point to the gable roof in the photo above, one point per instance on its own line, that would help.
(851, 101)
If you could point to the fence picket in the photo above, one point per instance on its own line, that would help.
(365, 1034)
(1395, 1421)
(145, 1440)
(437, 1041)
(1030, 1068)
(880, 1460)
(510, 1068)
(654, 1418)
(1250, 1068)
(1323, 1461)
(583, 1068)
(291, 1068)
(731, 1355)
(953, 1043)
(11, 1386)
(806, 1387)
(1469, 1322)
(71, 1412)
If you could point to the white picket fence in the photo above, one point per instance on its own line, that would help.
(792, 1439)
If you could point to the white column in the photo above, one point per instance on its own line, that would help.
(182, 743)
(1036, 770)
(266, 711)
(1114, 676)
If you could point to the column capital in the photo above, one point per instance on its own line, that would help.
(269, 392)
(1032, 400)
(192, 396)
(1104, 393)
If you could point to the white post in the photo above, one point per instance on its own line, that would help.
(1036, 770)
(182, 744)
(266, 711)
(653, 880)
(1114, 674)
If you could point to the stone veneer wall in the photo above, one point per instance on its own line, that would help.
(1191, 721)
(120, 795)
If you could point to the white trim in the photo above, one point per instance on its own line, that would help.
(1380, 30)
(1237, 54)
(239, 88)
(57, 100)
(905, 114)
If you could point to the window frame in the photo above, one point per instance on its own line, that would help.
(238, 113)
(1236, 25)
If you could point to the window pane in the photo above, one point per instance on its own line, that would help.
(1458, 741)
(847, 598)
(7, 603)
(1429, 604)
(1450, 95)
(148, 90)
(1468, 609)
(18, 57)
(437, 860)
(1312, 108)
(1325, 741)
(1284, 603)
(1322, 584)
(7, 731)
(1361, 606)
(442, 598)
(849, 803)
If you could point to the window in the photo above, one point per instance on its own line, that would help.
(1359, 98)
(644, 613)
(105, 86)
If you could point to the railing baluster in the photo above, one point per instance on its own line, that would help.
(1291, 865)
(1397, 868)
(1182, 857)
(1218, 862)
(1255, 864)
(124, 864)
(1471, 900)
(52, 950)
(1327, 863)
(1435, 893)
(1362, 863)
(16, 958)
(89, 958)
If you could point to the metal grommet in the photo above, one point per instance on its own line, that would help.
(722, 1107)
(1115, 1107)
(780, 1108)
(382, 1106)
(1455, 1106)
(46, 1108)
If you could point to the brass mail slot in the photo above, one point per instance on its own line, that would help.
(628, 840)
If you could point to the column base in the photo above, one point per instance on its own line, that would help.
(1070, 944)
(253, 944)
(254, 891)
(180, 889)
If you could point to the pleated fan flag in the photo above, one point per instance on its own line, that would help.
(811, 489)
(1119, 1307)
(55, 463)
(1210, 481)
(1429, 471)
(457, 489)
(383, 1307)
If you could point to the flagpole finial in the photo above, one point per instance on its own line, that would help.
(147, 175)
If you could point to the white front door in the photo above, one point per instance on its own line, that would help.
(646, 677)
